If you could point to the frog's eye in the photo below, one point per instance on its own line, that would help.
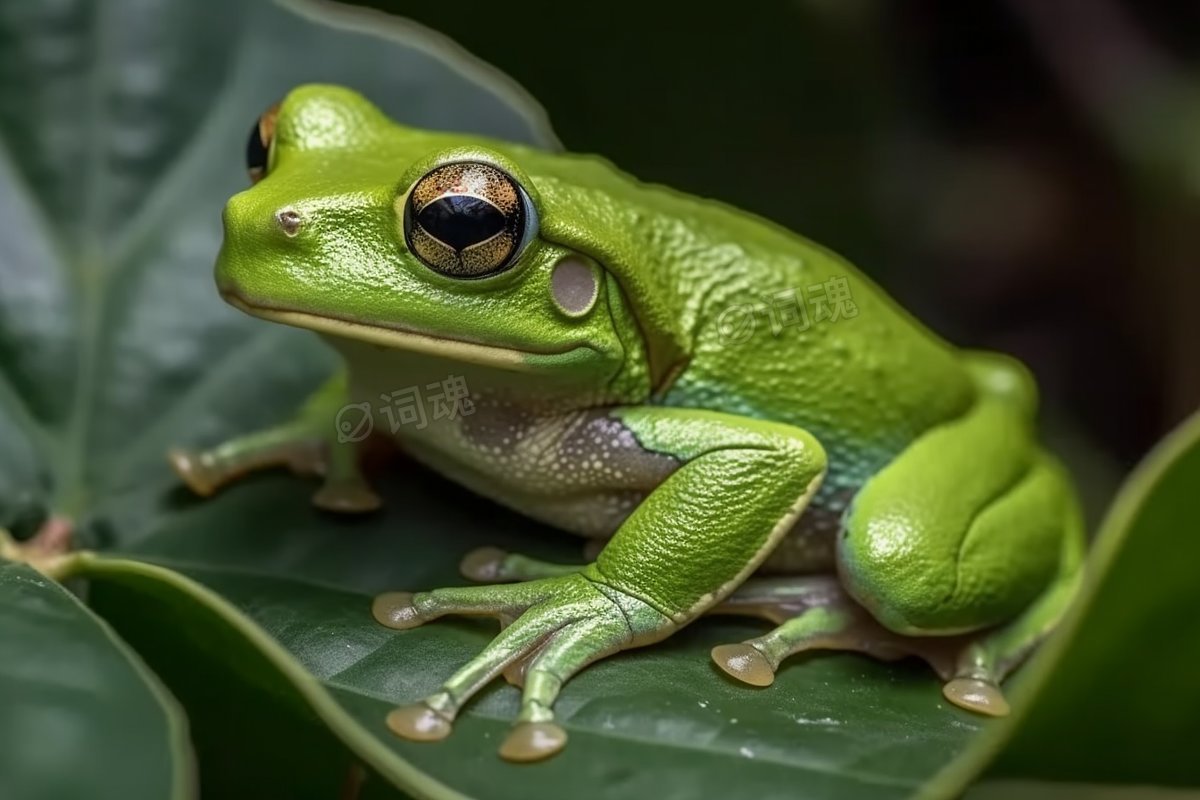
(258, 148)
(468, 219)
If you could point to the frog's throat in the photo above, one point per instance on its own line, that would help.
(400, 339)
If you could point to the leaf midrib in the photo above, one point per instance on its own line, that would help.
(94, 268)
(90, 276)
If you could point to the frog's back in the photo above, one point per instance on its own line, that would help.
(771, 325)
(767, 324)
(742, 316)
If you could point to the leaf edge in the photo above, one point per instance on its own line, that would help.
(953, 780)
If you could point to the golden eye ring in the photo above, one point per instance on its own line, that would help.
(468, 219)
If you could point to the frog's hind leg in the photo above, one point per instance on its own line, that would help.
(964, 550)
(307, 445)
(816, 613)
(985, 661)
(972, 530)
(813, 613)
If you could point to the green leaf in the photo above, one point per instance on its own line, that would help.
(81, 716)
(1053, 790)
(122, 130)
(1113, 697)
(1130, 665)
(660, 721)
(250, 704)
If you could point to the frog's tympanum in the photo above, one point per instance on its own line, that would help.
(734, 418)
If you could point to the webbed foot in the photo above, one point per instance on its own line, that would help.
(553, 627)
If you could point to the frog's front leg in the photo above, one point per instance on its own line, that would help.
(308, 445)
(739, 486)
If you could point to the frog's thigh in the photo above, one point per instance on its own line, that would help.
(962, 531)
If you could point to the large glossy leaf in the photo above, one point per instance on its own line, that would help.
(80, 715)
(122, 129)
(659, 722)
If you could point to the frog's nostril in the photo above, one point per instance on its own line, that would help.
(289, 221)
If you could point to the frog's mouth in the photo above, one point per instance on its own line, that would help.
(413, 341)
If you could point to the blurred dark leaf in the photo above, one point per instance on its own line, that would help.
(1113, 697)
(80, 715)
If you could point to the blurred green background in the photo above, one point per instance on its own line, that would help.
(1024, 175)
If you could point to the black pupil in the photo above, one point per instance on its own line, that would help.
(256, 151)
(460, 221)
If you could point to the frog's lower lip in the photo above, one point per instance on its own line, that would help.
(399, 338)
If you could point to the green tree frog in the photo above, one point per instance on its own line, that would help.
(734, 418)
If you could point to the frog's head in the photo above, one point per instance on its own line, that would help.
(363, 229)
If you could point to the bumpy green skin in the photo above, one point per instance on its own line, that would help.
(641, 419)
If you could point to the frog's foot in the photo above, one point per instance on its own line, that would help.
(756, 661)
(47, 551)
(556, 625)
(978, 693)
(347, 496)
(817, 614)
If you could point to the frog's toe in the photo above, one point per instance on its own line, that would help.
(483, 564)
(196, 470)
(396, 610)
(976, 694)
(346, 497)
(745, 663)
(404, 610)
(493, 565)
(533, 741)
(419, 723)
